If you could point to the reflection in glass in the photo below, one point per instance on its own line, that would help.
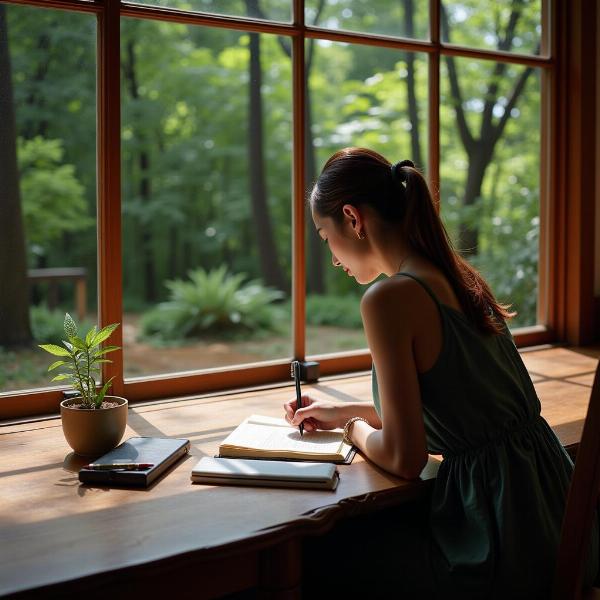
(206, 155)
(500, 25)
(273, 10)
(406, 18)
(48, 158)
(357, 96)
(490, 174)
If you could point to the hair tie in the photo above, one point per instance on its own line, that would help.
(397, 173)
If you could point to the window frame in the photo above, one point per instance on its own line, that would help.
(562, 313)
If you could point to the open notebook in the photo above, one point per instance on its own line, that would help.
(271, 438)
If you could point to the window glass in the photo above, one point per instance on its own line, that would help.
(357, 96)
(490, 174)
(206, 167)
(407, 18)
(48, 172)
(501, 25)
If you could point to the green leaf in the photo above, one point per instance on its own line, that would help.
(90, 335)
(54, 349)
(70, 326)
(78, 343)
(61, 377)
(106, 350)
(102, 393)
(103, 334)
(57, 364)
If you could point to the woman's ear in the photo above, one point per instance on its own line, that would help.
(353, 216)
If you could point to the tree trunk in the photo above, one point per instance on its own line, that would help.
(267, 249)
(145, 190)
(478, 164)
(480, 150)
(173, 264)
(14, 301)
(315, 281)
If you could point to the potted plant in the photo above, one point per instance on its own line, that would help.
(93, 423)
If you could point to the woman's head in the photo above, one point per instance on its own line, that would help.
(360, 194)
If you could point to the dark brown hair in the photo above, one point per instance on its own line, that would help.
(399, 194)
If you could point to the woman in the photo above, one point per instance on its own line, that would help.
(447, 379)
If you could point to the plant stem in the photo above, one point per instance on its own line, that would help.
(91, 383)
(79, 377)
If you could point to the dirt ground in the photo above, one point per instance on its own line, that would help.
(26, 369)
(141, 358)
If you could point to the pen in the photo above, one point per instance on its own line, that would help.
(119, 466)
(296, 375)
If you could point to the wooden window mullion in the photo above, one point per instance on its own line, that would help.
(110, 288)
(298, 186)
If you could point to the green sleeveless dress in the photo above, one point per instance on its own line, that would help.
(499, 496)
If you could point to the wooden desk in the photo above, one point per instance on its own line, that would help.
(59, 538)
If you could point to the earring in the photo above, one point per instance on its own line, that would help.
(361, 235)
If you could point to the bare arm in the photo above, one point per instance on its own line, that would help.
(400, 445)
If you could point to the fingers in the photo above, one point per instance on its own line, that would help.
(302, 414)
(310, 424)
(290, 407)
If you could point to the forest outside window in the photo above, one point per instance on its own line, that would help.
(214, 173)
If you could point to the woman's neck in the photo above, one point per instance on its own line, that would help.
(391, 253)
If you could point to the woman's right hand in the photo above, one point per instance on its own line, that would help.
(315, 414)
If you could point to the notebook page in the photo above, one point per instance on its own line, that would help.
(276, 434)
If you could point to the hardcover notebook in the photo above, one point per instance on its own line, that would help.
(162, 452)
(270, 473)
(262, 437)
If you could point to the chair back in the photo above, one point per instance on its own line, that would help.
(582, 502)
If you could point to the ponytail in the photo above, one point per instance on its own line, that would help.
(424, 231)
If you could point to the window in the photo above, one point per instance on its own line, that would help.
(213, 120)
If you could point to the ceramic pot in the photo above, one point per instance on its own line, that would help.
(90, 431)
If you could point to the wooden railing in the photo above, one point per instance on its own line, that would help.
(54, 277)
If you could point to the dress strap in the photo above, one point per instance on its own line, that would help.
(423, 285)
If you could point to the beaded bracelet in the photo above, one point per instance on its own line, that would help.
(346, 438)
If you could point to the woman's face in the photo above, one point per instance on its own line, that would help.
(347, 250)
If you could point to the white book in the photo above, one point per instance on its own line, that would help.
(271, 438)
(270, 473)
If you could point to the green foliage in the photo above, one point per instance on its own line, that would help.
(53, 200)
(16, 370)
(340, 311)
(47, 325)
(80, 357)
(212, 302)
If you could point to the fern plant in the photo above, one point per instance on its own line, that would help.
(80, 358)
(211, 302)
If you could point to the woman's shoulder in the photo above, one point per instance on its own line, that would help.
(414, 294)
(396, 295)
